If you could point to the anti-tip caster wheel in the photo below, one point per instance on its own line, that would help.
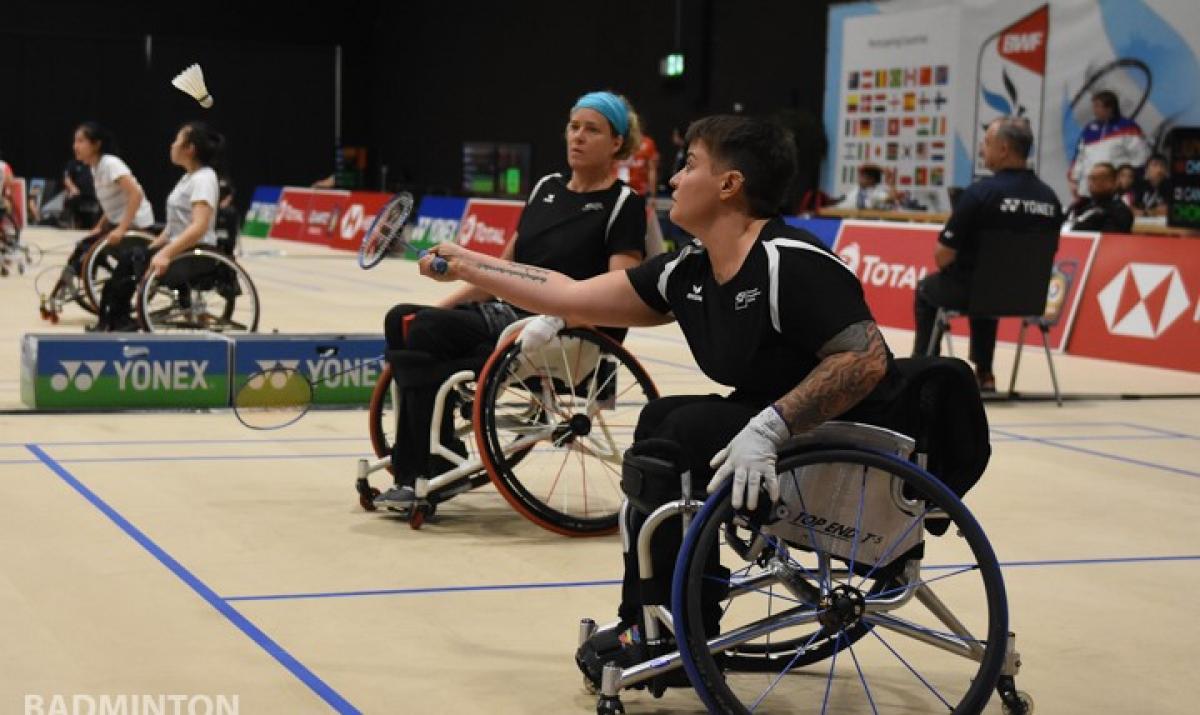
(366, 494)
(609, 706)
(1025, 708)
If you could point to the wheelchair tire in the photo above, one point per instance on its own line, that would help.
(209, 280)
(602, 398)
(381, 414)
(961, 682)
(97, 266)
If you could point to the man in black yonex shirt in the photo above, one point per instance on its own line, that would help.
(1013, 198)
(765, 309)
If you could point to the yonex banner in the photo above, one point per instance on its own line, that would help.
(138, 371)
(1141, 303)
(261, 215)
(891, 258)
(342, 368)
(437, 221)
(487, 224)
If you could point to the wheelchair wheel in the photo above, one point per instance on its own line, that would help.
(565, 415)
(97, 267)
(833, 580)
(201, 290)
(382, 415)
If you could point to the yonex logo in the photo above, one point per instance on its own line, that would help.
(1010, 205)
(83, 379)
(1143, 300)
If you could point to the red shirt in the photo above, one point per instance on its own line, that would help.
(635, 170)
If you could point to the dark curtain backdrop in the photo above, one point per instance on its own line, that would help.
(419, 78)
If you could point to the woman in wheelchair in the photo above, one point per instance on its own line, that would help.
(191, 219)
(770, 312)
(582, 225)
(122, 201)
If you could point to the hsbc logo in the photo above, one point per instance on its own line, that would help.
(1143, 300)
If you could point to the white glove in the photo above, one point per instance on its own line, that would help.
(750, 458)
(538, 332)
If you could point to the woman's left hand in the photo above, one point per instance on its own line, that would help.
(159, 263)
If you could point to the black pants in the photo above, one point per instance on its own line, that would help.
(702, 425)
(952, 290)
(435, 343)
(75, 262)
(116, 300)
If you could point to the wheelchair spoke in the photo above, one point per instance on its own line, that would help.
(862, 495)
(786, 669)
(912, 670)
(863, 678)
(554, 484)
(832, 666)
(887, 555)
(926, 581)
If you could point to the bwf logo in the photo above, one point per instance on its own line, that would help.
(81, 373)
(1143, 300)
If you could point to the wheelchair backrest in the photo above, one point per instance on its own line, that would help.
(819, 506)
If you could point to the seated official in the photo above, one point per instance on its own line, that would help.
(1103, 209)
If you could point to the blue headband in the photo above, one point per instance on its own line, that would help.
(610, 105)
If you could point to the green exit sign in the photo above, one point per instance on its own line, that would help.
(671, 65)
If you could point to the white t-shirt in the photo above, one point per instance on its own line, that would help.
(200, 185)
(105, 174)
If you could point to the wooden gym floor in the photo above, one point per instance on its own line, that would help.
(182, 553)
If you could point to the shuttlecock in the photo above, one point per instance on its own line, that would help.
(191, 81)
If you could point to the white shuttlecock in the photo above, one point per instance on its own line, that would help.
(191, 82)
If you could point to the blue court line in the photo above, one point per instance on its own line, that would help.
(306, 676)
(616, 582)
(431, 589)
(1106, 455)
(1159, 430)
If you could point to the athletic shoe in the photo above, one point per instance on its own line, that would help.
(397, 498)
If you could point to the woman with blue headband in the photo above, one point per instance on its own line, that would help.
(581, 223)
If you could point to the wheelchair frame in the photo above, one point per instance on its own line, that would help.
(660, 621)
(476, 471)
(147, 284)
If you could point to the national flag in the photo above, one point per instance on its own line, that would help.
(896, 78)
(941, 76)
(893, 127)
(851, 103)
(910, 77)
(926, 76)
(866, 80)
(893, 151)
(852, 81)
(937, 176)
(922, 176)
(910, 101)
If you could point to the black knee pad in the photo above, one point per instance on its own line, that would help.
(650, 473)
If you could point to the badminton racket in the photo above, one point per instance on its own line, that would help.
(387, 233)
(279, 396)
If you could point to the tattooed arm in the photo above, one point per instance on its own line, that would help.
(607, 299)
(852, 363)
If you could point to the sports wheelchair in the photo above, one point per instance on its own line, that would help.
(85, 286)
(867, 588)
(547, 428)
(14, 253)
(203, 289)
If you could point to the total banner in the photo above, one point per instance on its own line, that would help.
(1141, 303)
(487, 224)
(891, 258)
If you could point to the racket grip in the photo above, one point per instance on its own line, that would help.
(439, 265)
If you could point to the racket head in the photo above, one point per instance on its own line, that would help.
(273, 398)
(385, 230)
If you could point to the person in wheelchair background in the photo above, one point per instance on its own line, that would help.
(581, 225)
(122, 201)
(766, 309)
(191, 221)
